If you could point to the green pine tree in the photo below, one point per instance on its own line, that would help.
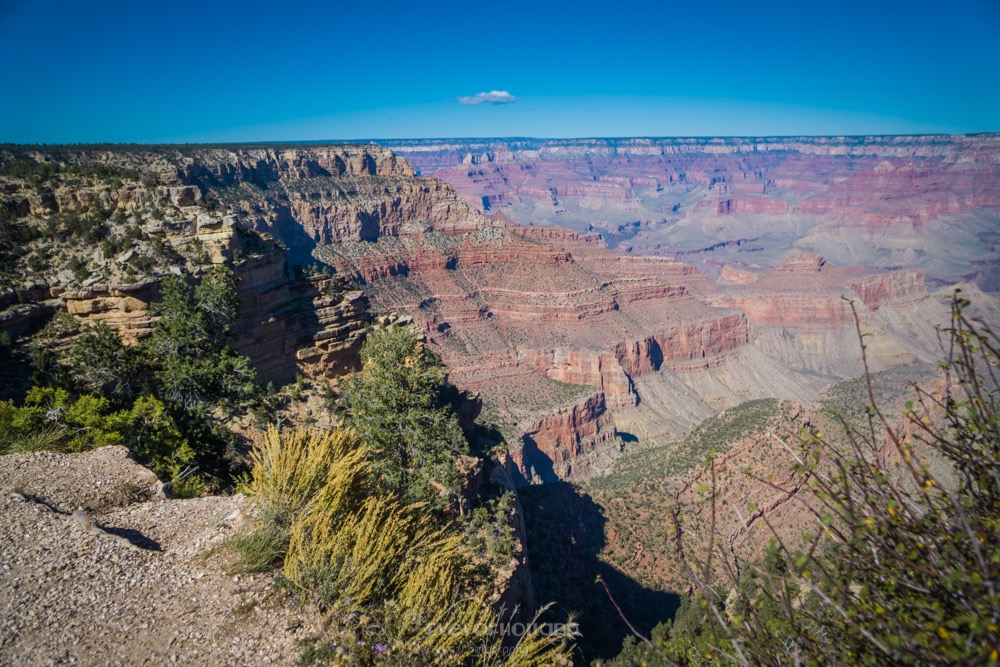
(394, 404)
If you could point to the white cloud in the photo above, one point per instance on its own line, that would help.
(492, 97)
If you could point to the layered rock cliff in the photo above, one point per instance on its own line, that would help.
(573, 442)
(559, 334)
(510, 308)
(923, 202)
(308, 326)
(331, 194)
(176, 210)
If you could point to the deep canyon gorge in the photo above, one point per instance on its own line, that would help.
(600, 304)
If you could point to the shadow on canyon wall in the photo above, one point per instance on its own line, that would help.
(537, 464)
(16, 372)
(565, 534)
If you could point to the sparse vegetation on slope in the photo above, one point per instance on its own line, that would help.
(903, 561)
(674, 460)
(638, 495)
(72, 221)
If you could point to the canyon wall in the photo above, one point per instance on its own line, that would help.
(573, 442)
(286, 326)
(558, 332)
(303, 326)
(184, 209)
(331, 194)
(920, 202)
(521, 313)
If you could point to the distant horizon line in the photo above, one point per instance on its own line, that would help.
(371, 140)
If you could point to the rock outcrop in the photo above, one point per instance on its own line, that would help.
(302, 326)
(287, 325)
(125, 308)
(573, 442)
(890, 288)
(733, 275)
(585, 367)
(96, 571)
(805, 290)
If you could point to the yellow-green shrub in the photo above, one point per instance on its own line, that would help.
(291, 468)
(361, 552)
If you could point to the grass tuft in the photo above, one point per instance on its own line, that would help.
(45, 439)
(260, 550)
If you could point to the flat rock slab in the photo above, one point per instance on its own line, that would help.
(95, 572)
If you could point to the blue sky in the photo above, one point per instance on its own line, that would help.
(217, 71)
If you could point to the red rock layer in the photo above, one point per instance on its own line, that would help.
(566, 443)
(895, 195)
(736, 276)
(890, 288)
(806, 291)
(588, 367)
(819, 310)
(690, 346)
(751, 205)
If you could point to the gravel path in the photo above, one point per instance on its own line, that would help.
(94, 571)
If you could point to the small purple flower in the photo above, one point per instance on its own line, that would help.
(380, 648)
